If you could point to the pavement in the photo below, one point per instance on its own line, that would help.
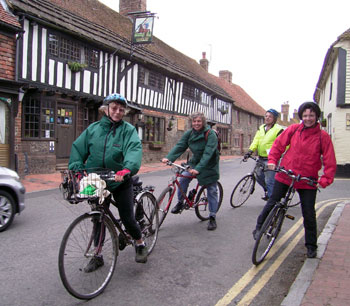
(324, 280)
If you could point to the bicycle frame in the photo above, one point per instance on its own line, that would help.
(176, 184)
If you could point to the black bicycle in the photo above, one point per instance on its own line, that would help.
(246, 185)
(273, 223)
(98, 234)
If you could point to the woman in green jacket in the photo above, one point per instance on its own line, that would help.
(113, 144)
(204, 163)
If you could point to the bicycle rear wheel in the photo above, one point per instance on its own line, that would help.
(78, 247)
(242, 191)
(163, 203)
(149, 219)
(268, 234)
(202, 205)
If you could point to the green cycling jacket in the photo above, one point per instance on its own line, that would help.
(205, 155)
(263, 140)
(105, 144)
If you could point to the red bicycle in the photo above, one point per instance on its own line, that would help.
(197, 197)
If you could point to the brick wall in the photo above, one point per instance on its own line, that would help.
(7, 57)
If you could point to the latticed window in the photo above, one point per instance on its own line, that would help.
(236, 140)
(224, 135)
(93, 59)
(192, 93)
(70, 50)
(154, 129)
(39, 118)
(151, 79)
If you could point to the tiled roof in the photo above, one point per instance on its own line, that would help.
(7, 18)
(241, 98)
(99, 23)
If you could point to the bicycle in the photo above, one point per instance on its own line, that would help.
(273, 223)
(196, 199)
(98, 233)
(246, 185)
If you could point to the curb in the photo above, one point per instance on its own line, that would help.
(302, 282)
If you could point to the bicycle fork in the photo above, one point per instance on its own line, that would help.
(97, 237)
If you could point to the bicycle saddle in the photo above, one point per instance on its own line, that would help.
(136, 181)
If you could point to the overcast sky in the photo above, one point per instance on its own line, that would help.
(274, 48)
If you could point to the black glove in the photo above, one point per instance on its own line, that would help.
(247, 155)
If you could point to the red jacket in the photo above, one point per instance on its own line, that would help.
(304, 155)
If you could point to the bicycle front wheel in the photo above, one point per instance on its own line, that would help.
(163, 202)
(149, 220)
(242, 191)
(86, 239)
(202, 205)
(268, 234)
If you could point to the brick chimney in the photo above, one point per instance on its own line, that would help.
(285, 111)
(226, 75)
(204, 62)
(128, 6)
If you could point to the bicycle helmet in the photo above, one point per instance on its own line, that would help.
(273, 112)
(115, 97)
(309, 105)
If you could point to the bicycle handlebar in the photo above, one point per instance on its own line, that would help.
(297, 177)
(183, 166)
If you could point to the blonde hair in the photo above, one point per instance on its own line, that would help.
(199, 115)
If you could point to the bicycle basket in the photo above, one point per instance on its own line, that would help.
(78, 186)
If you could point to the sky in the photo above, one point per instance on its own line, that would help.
(274, 48)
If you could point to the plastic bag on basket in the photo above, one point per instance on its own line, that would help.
(93, 185)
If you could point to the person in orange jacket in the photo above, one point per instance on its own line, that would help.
(310, 147)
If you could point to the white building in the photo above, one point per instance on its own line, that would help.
(333, 95)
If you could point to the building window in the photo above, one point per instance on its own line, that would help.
(70, 50)
(39, 118)
(151, 79)
(154, 130)
(224, 135)
(192, 93)
(250, 119)
(238, 116)
(236, 140)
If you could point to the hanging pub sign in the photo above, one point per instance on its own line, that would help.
(143, 29)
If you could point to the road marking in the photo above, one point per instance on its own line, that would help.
(252, 272)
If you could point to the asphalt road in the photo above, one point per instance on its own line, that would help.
(189, 265)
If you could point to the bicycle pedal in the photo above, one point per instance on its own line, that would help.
(290, 217)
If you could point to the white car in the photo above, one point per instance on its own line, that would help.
(11, 197)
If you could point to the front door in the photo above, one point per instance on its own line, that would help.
(65, 129)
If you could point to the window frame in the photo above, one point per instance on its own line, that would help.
(43, 122)
(151, 79)
(87, 55)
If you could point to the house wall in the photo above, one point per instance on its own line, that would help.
(336, 126)
(50, 75)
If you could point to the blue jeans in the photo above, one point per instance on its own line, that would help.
(266, 179)
(212, 193)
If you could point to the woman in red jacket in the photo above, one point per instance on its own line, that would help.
(307, 144)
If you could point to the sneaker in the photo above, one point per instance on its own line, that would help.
(256, 233)
(95, 263)
(178, 208)
(212, 224)
(311, 252)
(141, 253)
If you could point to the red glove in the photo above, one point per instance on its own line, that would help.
(123, 172)
(323, 182)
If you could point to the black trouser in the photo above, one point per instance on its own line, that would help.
(307, 199)
(124, 199)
